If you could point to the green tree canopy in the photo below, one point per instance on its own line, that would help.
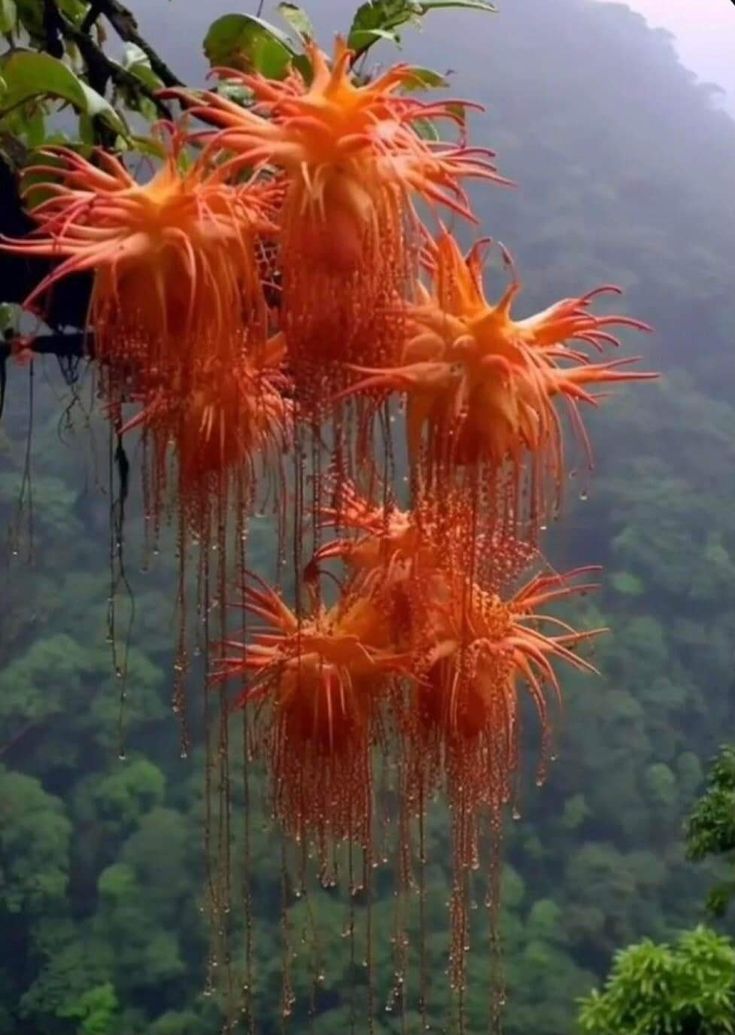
(687, 988)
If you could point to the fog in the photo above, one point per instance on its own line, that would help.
(624, 173)
(705, 36)
(704, 30)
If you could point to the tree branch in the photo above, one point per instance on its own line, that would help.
(95, 10)
(123, 22)
(75, 345)
(101, 68)
(69, 349)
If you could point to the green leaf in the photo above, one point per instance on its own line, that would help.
(10, 314)
(97, 105)
(34, 128)
(86, 130)
(425, 79)
(8, 15)
(148, 146)
(472, 5)
(250, 44)
(379, 19)
(28, 75)
(30, 13)
(235, 92)
(27, 122)
(302, 64)
(298, 19)
(74, 9)
(426, 129)
(361, 39)
(136, 62)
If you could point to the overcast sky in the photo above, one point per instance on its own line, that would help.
(705, 31)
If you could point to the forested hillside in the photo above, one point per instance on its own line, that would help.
(625, 175)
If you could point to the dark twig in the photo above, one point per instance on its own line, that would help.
(95, 10)
(70, 350)
(53, 42)
(123, 22)
(101, 68)
(76, 344)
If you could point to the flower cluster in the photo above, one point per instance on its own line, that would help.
(284, 285)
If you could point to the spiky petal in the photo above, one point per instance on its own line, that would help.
(481, 387)
(353, 164)
(316, 686)
(175, 275)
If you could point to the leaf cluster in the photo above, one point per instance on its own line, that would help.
(710, 829)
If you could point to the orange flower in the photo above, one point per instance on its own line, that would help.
(353, 163)
(220, 418)
(487, 646)
(462, 723)
(481, 387)
(472, 646)
(173, 259)
(383, 532)
(322, 679)
(459, 625)
(323, 135)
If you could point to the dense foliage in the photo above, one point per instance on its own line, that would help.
(100, 859)
(711, 827)
(688, 987)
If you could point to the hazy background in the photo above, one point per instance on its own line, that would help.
(704, 29)
(625, 172)
(705, 36)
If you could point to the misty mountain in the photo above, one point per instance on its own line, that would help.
(625, 171)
